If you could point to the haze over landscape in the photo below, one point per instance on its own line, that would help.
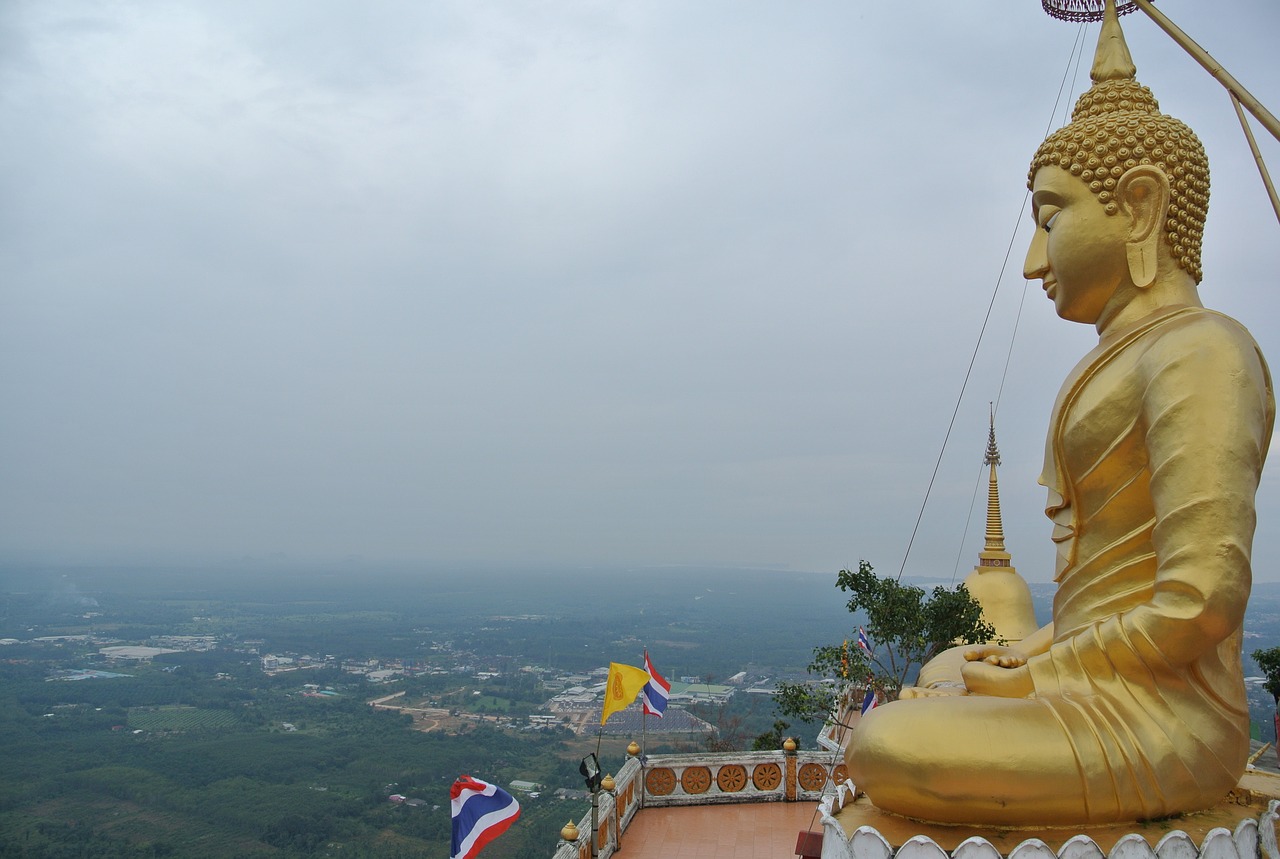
(567, 284)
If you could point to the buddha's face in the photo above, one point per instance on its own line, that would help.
(1078, 250)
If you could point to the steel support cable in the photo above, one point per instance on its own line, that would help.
(915, 530)
(1078, 53)
(842, 724)
(1236, 92)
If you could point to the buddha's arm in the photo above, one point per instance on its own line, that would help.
(1208, 421)
(1207, 413)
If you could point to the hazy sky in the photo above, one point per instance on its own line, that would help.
(555, 282)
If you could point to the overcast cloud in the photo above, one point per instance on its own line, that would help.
(569, 283)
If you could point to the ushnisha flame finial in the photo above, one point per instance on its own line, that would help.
(1112, 61)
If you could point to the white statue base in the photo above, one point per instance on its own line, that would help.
(1242, 826)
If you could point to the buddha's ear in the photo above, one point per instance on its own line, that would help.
(1143, 196)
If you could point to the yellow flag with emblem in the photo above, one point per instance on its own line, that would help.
(625, 683)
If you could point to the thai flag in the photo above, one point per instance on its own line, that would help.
(656, 692)
(863, 641)
(481, 812)
(869, 702)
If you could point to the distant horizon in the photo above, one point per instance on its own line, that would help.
(580, 285)
(157, 561)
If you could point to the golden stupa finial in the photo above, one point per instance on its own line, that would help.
(994, 582)
(1112, 60)
(995, 527)
(992, 456)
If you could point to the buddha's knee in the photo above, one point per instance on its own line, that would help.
(886, 745)
(972, 759)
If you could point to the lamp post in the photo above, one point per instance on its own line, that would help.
(590, 769)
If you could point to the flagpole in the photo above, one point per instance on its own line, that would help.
(644, 750)
(644, 733)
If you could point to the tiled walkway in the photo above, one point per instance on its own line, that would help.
(762, 830)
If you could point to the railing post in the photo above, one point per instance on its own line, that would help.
(789, 754)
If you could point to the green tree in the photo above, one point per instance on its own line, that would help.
(771, 740)
(907, 628)
(1269, 661)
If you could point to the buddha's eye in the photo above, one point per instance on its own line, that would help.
(1048, 222)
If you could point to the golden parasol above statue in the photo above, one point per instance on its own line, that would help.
(1084, 10)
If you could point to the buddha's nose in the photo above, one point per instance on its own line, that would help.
(1036, 264)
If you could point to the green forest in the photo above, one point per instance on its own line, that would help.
(202, 754)
(212, 772)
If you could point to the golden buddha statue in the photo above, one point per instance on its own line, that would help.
(1130, 704)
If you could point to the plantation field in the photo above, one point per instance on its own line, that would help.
(491, 704)
(180, 718)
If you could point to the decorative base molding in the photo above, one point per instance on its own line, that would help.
(1250, 840)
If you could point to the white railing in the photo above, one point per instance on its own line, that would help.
(739, 777)
(701, 779)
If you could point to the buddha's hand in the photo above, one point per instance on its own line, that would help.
(995, 654)
(987, 677)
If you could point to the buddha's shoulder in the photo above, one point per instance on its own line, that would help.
(1199, 335)
(1210, 322)
(1198, 327)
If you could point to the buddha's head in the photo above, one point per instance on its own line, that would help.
(1146, 172)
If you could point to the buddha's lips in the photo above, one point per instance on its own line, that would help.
(1049, 287)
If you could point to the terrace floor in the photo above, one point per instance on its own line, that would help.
(757, 830)
(768, 830)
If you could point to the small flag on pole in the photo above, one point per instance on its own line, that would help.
(481, 812)
(657, 692)
(624, 684)
(870, 701)
(863, 641)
